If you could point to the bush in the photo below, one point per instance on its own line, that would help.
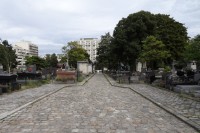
(167, 69)
(80, 78)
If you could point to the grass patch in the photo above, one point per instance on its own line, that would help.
(80, 78)
(34, 84)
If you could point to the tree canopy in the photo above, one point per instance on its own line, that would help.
(51, 60)
(7, 56)
(130, 32)
(35, 60)
(153, 52)
(192, 52)
(75, 53)
(103, 52)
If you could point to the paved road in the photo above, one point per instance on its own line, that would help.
(183, 107)
(94, 107)
(11, 101)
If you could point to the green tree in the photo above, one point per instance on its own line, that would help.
(103, 52)
(3, 59)
(75, 53)
(173, 34)
(129, 34)
(63, 59)
(48, 60)
(192, 51)
(51, 60)
(35, 60)
(154, 52)
(8, 56)
(131, 31)
(54, 60)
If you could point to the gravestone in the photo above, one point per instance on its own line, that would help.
(31, 69)
(192, 65)
(193, 90)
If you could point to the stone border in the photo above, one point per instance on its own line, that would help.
(6, 114)
(167, 109)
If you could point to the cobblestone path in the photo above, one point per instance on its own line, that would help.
(95, 107)
(14, 100)
(181, 106)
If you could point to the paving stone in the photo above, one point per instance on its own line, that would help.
(95, 107)
(14, 100)
(179, 105)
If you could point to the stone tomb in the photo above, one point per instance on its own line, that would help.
(65, 76)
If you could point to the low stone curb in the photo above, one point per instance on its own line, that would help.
(6, 114)
(166, 108)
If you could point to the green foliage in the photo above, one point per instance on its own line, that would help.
(3, 59)
(153, 52)
(173, 34)
(35, 60)
(167, 69)
(130, 32)
(103, 52)
(54, 60)
(51, 60)
(34, 84)
(81, 77)
(193, 49)
(75, 53)
(63, 59)
(47, 60)
(7, 56)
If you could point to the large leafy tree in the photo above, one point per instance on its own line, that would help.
(193, 50)
(131, 31)
(153, 52)
(173, 34)
(51, 60)
(47, 60)
(7, 56)
(35, 60)
(54, 60)
(103, 52)
(63, 59)
(75, 53)
(3, 59)
(129, 34)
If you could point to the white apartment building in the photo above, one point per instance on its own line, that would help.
(24, 49)
(90, 45)
(21, 54)
(32, 48)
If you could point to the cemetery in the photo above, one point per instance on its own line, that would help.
(69, 75)
(185, 81)
(144, 77)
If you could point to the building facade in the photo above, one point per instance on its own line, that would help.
(90, 45)
(32, 48)
(24, 49)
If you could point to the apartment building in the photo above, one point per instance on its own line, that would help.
(24, 49)
(32, 48)
(90, 45)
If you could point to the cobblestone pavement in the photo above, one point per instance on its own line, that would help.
(95, 107)
(14, 100)
(179, 105)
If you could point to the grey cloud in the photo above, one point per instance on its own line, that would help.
(56, 22)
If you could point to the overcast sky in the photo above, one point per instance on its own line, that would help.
(52, 23)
